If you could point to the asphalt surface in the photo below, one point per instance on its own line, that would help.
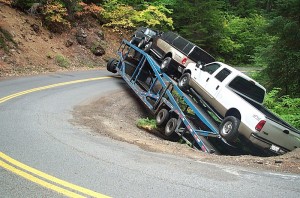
(36, 129)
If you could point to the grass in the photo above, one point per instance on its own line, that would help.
(4, 37)
(146, 123)
(62, 61)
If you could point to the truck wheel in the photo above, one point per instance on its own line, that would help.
(170, 128)
(165, 64)
(111, 65)
(148, 47)
(229, 128)
(183, 82)
(162, 117)
(141, 44)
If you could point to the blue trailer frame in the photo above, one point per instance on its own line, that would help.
(138, 62)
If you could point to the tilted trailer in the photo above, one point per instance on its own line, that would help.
(189, 120)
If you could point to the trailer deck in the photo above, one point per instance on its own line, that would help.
(190, 120)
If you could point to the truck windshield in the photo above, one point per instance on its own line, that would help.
(248, 89)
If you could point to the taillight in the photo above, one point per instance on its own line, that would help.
(260, 125)
(184, 60)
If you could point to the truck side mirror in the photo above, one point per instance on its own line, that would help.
(199, 65)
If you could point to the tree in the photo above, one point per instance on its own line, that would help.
(283, 56)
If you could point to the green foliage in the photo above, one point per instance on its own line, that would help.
(62, 61)
(153, 17)
(242, 37)
(147, 123)
(23, 4)
(286, 107)
(124, 16)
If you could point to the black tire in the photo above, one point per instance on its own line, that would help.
(147, 47)
(162, 117)
(111, 65)
(183, 82)
(164, 66)
(109, 62)
(170, 128)
(229, 128)
(141, 44)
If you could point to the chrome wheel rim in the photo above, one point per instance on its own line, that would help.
(227, 128)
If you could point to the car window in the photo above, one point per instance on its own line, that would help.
(247, 88)
(180, 43)
(223, 74)
(169, 36)
(188, 48)
(211, 68)
(149, 32)
(198, 54)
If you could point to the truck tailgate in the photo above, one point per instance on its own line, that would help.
(280, 135)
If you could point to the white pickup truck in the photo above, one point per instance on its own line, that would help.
(238, 99)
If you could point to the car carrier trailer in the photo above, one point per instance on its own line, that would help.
(161, 95)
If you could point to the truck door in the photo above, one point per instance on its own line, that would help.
(207, 81)
(213, 84)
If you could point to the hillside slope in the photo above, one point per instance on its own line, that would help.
(33, 49)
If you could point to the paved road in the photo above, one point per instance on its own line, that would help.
(36, 130)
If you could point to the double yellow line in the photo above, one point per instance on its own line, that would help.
(37, 176)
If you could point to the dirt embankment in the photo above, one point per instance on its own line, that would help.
(36, 50)
(115, 118)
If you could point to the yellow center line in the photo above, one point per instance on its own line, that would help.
(40, 173)
(38, 181)
(4, 99)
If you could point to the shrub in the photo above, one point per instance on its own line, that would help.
(6, 37)
(284, 106)
(123, 16)
(23, 4)
(62, 61)
(55, 16)
(147, 123)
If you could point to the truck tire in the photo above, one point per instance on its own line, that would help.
(111, 65)
(183, 82)
(162, 117)
(147, 47)
(164, 66)
(170, 128)
(229, 128)
(141, 44)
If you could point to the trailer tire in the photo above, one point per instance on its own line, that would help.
(164, 66)
(111, 65)
(170, 128)
(229, 128)
(162, 117)
(183, 82)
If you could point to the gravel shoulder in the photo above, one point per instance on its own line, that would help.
(115, 115)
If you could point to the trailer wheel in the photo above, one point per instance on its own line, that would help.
(165, 64)
(183, 82)
(111, 65)
(229, 128)
(170, 128)
(162, 117)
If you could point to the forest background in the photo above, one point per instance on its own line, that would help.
(245, 33)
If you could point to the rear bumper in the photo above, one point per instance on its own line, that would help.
(267, 145)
